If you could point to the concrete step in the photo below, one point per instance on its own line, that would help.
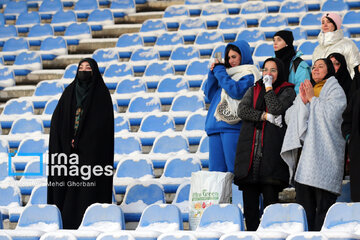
(16, 92)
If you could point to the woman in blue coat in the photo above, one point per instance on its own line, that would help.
(226, 85)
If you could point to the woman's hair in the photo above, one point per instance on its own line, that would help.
(282, 76)
(227, 50)
(329, 66)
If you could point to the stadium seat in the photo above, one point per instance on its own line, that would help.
(7, 32)
(351, 21)
(128, 88)
(252, 10)
(184, 104)
(230, 25)
(194, 127)
(213, 13)
(140, 105)
(152, 125)
(206, 41)
(25, 20)
(13, 9)
(270, 24)
(6, 178)
(138, 196)
(15, 108)
(219, 48)
(166, 42)
(13, 46)
(121, 124)
(83, 8)
(77, 31)
(62, 19)
(251, 36)
(100, 17)
(34, 175)
(155, 70)
(70, 72)
(151, 29)
(178, 170)
(127, 43)
(203, 151)
(142, 56)
(121, 8)
(29, 126)
(38, 33)
(48, 111)
(307, 48)
(195, 72)
(307, 236)
(160, 218)
(263, 51)
(105, 57)
(190, 27)
(310, 22)
(52, 47)
(49, 7)
(45, 90)
(10, 197)
(2, 19)
(27, 62)
(169, 87)
(7, 77)
(131, 169)
(126, 146)
(181, 56)
(195, 6)
(334, 6)
(184, 235)
(58, 235)
(292, 10)
(174, 14)
(4, 153)
(167, 145)
(115, 72)
(181, 199)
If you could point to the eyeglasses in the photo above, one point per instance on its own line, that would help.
(272, 70)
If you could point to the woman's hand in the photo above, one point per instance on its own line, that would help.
(303, 93)
(309, 90)
(213, 64)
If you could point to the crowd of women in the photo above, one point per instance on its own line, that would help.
(292, 125)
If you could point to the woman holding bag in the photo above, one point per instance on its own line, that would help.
(225, 87)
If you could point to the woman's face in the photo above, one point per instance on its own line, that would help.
(270, 68)
(319, 71)
(234, 58)
(279, 43)
(327, 26)
(85, 66)
(336, 64)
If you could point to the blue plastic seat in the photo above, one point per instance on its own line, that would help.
(194, 127)
(100, 17)
(130, 169)
(52, 47)
(141, 194)
(195, 7)
(10, 197)
(213, 13)
(169, 87)
(230, 26)
(310, 22)
(13, 46)
(161, 218)
(203, 151)
(115, 72)
(2, 19)
(166, 42)
(27, 62)
(195, 72)
(48, 111)
(126, 145)
(25, 20)
(270, 24)
(4, 151)
(15, 108)
(127, 43)
(121, 124)
(105, 57)
(127, 88)
(153, 125)
(139, 105)
(7, 32)
(262, 52)
(251, 11)
(7, 77)
(155, 70)
(45, 90)
(308, 236)
(70, 72)
(49, 7)
(307, 48)
(181, 199)
(184, 104)
(251, 36)
(352, 21)
(75, 31)
(178, 170)
(13, 9)
(5, 177)
(206, 41)
(82, 8)
(190, 27)
(33, 175)
(219, 48)
(292, 10)
(121, 8)
(334, 6)
(62, 19)
(151, 29)
(172, 14)
(181, 56)
(58, 235)
(24, 127)
(39, 32)
(142, 56)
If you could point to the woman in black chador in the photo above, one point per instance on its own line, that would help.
(81, 147)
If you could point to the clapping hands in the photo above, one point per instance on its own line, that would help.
(306, 91)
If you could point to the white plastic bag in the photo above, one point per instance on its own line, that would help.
(207, 188)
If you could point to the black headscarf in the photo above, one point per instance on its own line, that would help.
(342, 75)
(93, 144)
(83, 86)
(287, 53)
(330, 70)
(281, 77)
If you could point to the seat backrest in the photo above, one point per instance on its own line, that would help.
(344, 216)
(86, 5)
(307, 47)
(131, 85)
(48, 88)
(273, 21)
(307, 236)
(2, 19)
(64, 17)
(181, 167)
(253, 7)
(219, 48)
(70, 71)
(214, 9)
(29, 60)
(15, 44)
(8, 31)
(4, 171)
(152, 25)
(10, 196)
(148, 192)
(169, 38)
(232, 22)
(27, 125)
(134, 168)
(195, 121)
(40, 217)
(15, 7)
(334, 5)
(196, 2)
(33, 145)
(251, 35)
(207, 37)
(144, 104)
(182, 193)
(130, 39)
(28, 18)
(18, 106)
(192, 23)
(127, 145)
(158, 122)
(121, 123)
(172, 84)
(105, 56)
(293, 7)
(176, 11)
(188, 102)
(34, 170)
(4, 147)
(289, 218)
(58, 236)
(264, 49)
(170, 143)
(351, 17)
(40, 30)
(203, 145)
(222, 218)
(53, 43)
(313, 19)
(38, 195)
(50, 6)
(103, 217)
(159, 69)
(76, 29)
(101, 15)
(50, 106)
(145, 54)
(122, 4)
(184, 53)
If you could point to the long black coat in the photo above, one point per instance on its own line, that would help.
(73, 192)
